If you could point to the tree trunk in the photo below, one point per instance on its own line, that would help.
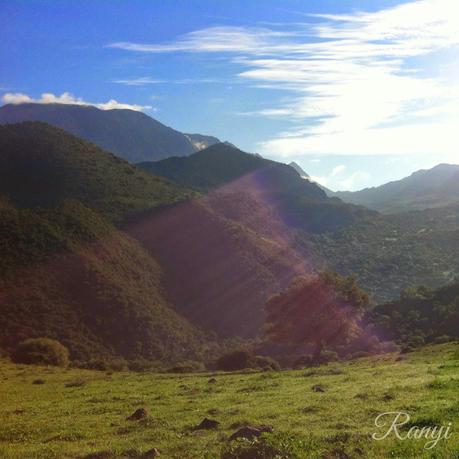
(319, 345)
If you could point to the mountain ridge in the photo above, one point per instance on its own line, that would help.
(302, 203)
(423, 189)
(131, 135)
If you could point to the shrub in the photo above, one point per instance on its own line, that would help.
(360, 355)
(266, 362)
(41, 351)
(243, 359)
(189, 366)
(233, 361)
(107, 364)
(140, 365)
(309, 360)
(442, 339)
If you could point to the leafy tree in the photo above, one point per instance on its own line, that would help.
(320, 310)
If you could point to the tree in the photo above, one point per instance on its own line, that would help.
(321, 310)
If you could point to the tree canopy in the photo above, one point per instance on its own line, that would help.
(321, 310)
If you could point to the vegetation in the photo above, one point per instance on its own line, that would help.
(41, 351)
(420, 316)
(218, 272)
(300, 202)
(41, 165)
(388, 254)
(242, 359)
(78, 413)
(320, 310)
(65, 271)
(424, 189)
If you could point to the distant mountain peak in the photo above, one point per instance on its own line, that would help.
(129, 134)
(299, 169)
(200, 142)
(423, 189)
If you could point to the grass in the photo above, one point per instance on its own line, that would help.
(75, 413)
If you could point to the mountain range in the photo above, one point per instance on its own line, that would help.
(436, 187)
(165, 260)
(113, 261)
(131, 135)
(300, 203)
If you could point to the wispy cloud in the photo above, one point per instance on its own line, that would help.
(67, 98)
(143, 81)
(360, 83)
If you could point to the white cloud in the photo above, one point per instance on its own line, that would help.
(360, 83)
(337, 170)
(138, 81)
(355, 181)
(67, 98)
(16, 98)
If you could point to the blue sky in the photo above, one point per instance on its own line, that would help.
(358, 93)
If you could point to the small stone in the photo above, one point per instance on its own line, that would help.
(138, 414)
(212, 381)
(318, 388)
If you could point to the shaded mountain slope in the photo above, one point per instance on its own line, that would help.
(197, 255)
(69, 275)
(129, 134)
(218, 272)
(423, 189)
(41, 165)
(300, 203)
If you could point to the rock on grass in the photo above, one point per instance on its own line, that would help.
(250, 432)
(138, 414)
(208, 424)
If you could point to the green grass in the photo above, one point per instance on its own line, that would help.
(78, 412)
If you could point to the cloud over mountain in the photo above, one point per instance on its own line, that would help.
(67, 98)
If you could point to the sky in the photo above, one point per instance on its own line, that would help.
(358, 93)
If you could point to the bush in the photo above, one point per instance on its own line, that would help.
(41, 351)
(189, 366)
(442, 339)
(106, 364)
(243, 359)
(309, 360)
(141, 365)
(233, 361)
(266, 362)
(360, 355)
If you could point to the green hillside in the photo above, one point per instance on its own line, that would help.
(420, 315)
(388, 254)
(66, 272)
(41, 165)
(301, 203)
(218, 272)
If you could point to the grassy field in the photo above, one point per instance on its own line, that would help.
(56, 413)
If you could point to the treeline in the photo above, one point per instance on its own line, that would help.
(420, 316)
